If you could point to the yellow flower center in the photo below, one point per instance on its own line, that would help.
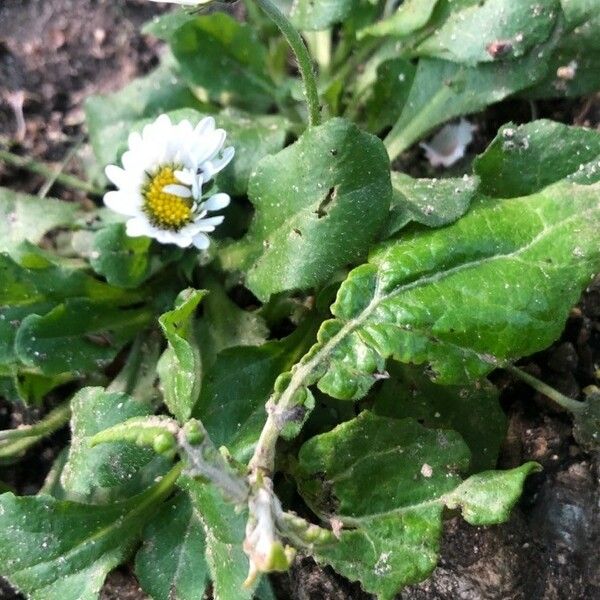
(164, 210)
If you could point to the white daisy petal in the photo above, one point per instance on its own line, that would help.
(161, 125)
(173, 237)
(211, 167)
(135, 140)
(206, 148)
(186, 176)
(137, 227)
(226, 158)
(201, 241)
(197, 186)
(184, 128)
(190, 230)
(216, 202)
(182, 241)
(210, 223)
(150, 132)
(205, 126)
(178, 190)
(163, 236)
(116, 175)
(136, 161)
(122, 203)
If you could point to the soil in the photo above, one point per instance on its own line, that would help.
(53, 54)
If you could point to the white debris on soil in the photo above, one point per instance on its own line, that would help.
(426, 470)
(567, 72)
(448, 145)
(336, 526)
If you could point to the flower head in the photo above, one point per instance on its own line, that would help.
(160, 184)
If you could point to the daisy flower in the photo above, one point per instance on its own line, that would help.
(160, 184)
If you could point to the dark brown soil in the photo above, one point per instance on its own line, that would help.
(54, 53)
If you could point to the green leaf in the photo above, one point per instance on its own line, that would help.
(110, 118)
(390, 450)
(77, 336)
(253, 138)
(411, 16)
(308, 15)
(389, 93)
(387, 482)
(28, 218)
(8, 390)
(180, 366)
(123, 260)
(236, 388)
(574, 64)
(224, 533)
(431, 202)
(578, 12)
(31, 388)
(524, 159)
(488, 498)
(32, 284)
(473, 410)
(587, 173)
(308, 199)
(52, 485)
(165, 25)
(444, 90)
(170, 564)
(494, 286)
(111, 471)
(138, 376)
(224, 62)
(60, 550)
(225, 325)
(468, 33)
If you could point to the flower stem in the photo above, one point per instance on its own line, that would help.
(302, 57)
(569, 404)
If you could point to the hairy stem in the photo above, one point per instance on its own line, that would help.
(302, 57)
(267, 523)
(280, 404)
(569, 404)
(204, 460)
